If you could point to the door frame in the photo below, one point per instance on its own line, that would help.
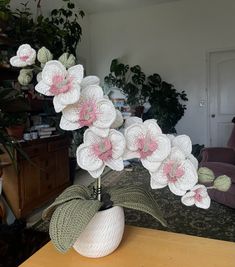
(208, 54)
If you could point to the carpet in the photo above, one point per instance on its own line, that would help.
(218, 222)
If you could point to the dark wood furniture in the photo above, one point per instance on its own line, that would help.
(36, 182)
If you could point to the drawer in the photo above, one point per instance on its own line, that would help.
(35, 150)
(58, 144)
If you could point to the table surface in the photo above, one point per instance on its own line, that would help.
(143, 247)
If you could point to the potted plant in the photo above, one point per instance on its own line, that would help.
(166, 103)
(91, 219)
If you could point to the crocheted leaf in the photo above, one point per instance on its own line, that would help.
(69, 220)
(135, 197)
(70, 193)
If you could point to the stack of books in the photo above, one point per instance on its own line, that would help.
(46, 132)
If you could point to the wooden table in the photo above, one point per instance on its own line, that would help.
(143, 247)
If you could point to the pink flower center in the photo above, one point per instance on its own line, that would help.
(198, 197)
(146, 146)
(24, 58)
(103, 150)
(60, 84)
(173, 171)
(88, 112)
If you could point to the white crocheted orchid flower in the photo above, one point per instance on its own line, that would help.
(197, 196)
(63, 84)
(146, 141)
(92, 110)
(184, 143)
(97, 152)
(176, 172)
(25, 56)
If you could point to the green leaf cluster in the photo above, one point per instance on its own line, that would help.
(167, 104)
(75, 207)
(59, 32)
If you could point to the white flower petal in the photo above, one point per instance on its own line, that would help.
(183, 142)
(171, 137)
(71, 112)
(87, 160)
(128, 154)
(76, 72)
(99, 131)
(57, 104)
(27, 50)
(152, 127)
(97, 173)
(193, 160)
(118, 143)
(91, 138)
(118, 121)
(151, 166)
(132, 120)
(92, 92)
(163, 149)
(115, 164)
(51, 69)
(70, 97)
(132, 134)
(189, 178)
(43, 88)
(188, 199)
(176, 190)
(155, 184)
(16, 62)
(68, 125)
(106, 114)
(204, 203)
(176, 154)
(90, 80)
(158, 179)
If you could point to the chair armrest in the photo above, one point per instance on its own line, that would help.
(218, 154)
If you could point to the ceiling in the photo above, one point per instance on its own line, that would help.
(99, 6)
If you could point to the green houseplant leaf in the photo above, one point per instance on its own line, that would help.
(135, 197)
(69, 220)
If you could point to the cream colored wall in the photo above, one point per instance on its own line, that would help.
(83, 50)
(171, 39)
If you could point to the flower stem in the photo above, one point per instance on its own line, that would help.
(98, 188)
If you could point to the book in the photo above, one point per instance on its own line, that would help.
(48, 129)
(40, 133)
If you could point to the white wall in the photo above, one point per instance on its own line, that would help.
(171, 39)
(83, 50)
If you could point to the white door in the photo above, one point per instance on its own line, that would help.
(221, 92)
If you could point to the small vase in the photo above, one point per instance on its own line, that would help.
(103, 234)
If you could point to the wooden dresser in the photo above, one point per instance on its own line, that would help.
(38, 181)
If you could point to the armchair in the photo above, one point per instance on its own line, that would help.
(221, 160)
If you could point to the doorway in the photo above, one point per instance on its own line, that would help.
(221, 93)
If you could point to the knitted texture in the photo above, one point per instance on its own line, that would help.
(136, 197)
(69, 215)
(72, 211)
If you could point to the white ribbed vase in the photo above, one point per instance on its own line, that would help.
(103, 234)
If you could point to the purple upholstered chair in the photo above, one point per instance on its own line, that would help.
(221, 160)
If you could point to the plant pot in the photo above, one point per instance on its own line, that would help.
(103, 234)
(16, 131)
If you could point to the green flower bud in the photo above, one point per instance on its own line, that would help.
(205, 175)
(44, 55)
(25, 77)
(68, 60)
(222, 183)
